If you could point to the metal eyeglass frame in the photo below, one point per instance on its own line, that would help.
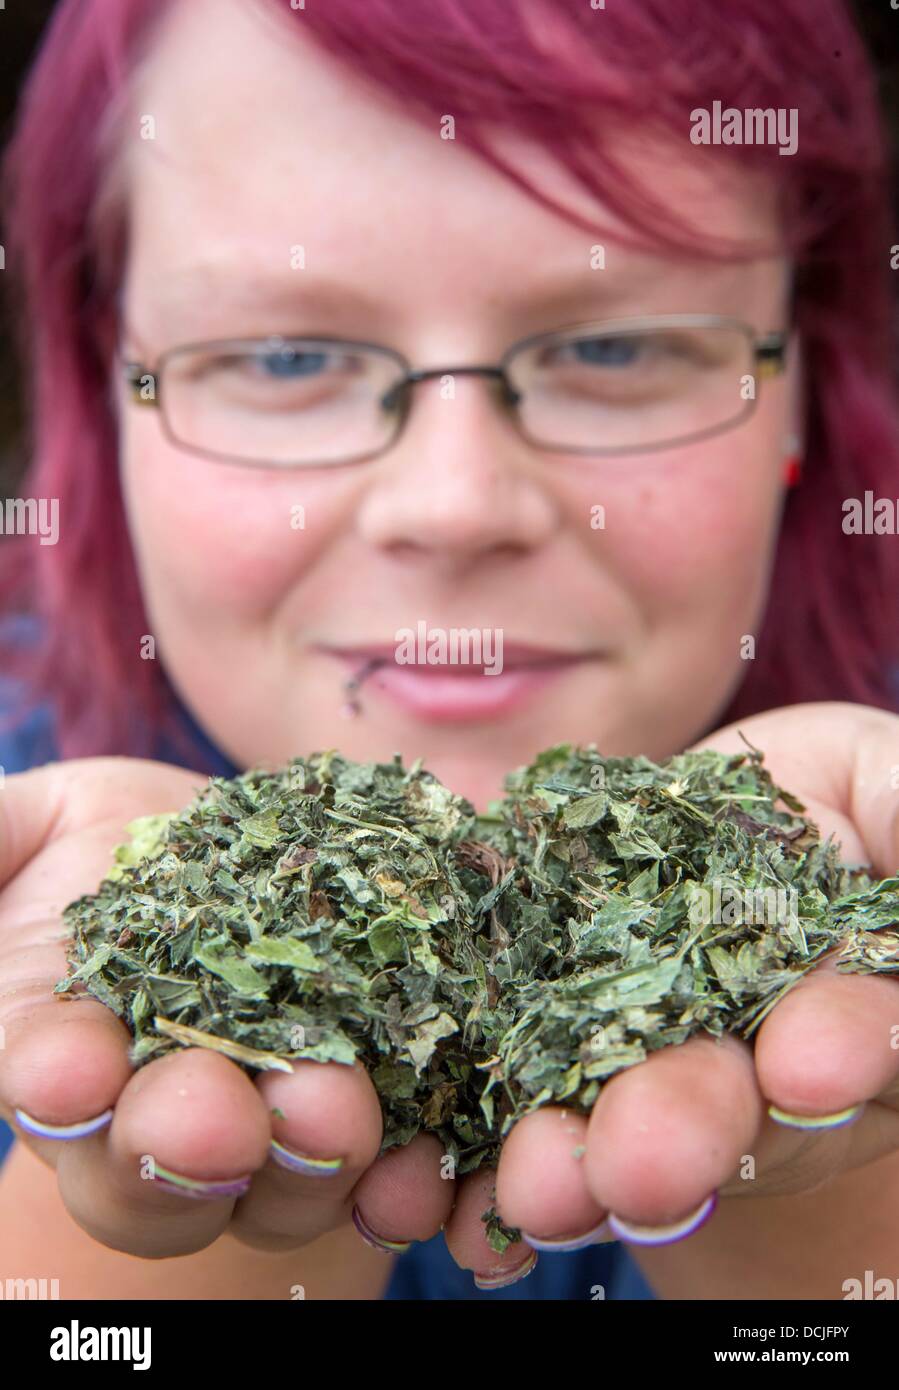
(768, 356)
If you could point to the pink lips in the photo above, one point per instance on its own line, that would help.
(456, 694)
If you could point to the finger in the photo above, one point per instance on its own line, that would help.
(406, 1195)
(63, 1061)
(61, 1072)
(49, 803)
(60, 1065)
(30, 810)
(842, 760)
(188, 1133)
(326, 1127)
(664, 1135)
(873, 796)
(466, 1237)
(540, 1185)
(829, 1047)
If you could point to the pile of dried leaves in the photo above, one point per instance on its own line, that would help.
(479, 966)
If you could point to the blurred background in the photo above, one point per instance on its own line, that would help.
(22, 23)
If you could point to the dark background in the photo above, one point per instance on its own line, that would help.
(21, 25)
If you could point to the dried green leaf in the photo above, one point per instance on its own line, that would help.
(479, 966)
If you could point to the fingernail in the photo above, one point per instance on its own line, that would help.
(302, 1163)
(41, 1130)
(507, 1276)
(834, 1121)
(202, 1190)
(600, 1235)
(664, 1235)
(387, 1247)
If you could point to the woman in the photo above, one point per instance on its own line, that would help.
(239, 229)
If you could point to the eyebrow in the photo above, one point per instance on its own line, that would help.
(223, 273)
(560, 294)
(241, 286)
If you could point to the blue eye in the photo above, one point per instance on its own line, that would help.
(290, 363)
(606, 352)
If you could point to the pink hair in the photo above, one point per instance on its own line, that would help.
(831, 627)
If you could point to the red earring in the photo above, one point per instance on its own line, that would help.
(793, 470)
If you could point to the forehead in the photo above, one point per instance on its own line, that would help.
(261, 143)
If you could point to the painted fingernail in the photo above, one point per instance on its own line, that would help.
(598, 1236)
(664, 1235)
(387, 1247)
(202, 1190)
(302, 1163)
(505, 1277)
(41, 1130)
(834, 1121)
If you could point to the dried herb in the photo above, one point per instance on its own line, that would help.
(479, 966)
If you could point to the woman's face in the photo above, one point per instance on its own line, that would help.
(629, 634)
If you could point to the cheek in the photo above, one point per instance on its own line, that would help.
(696, 532)
(220, 539)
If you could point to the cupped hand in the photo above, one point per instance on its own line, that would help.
(194, 1143)
(160, 1161)
(669, 1136)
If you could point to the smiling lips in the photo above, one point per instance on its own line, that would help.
(455, 694)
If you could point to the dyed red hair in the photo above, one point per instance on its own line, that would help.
(549, 73)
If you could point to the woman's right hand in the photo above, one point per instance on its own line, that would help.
(193, 1113)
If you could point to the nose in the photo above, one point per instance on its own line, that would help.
(460, 483)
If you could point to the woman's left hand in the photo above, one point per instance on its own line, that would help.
(692, 1123)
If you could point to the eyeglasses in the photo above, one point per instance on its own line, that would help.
(617, 387)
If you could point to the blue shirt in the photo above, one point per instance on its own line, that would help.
(427, 1271)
